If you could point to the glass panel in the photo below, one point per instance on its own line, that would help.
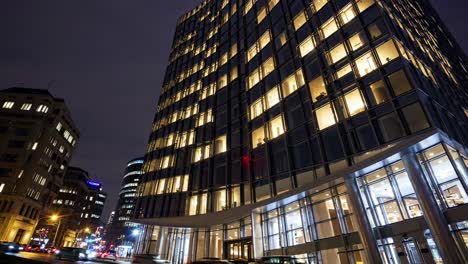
(399, 82)
(442, 169)
(258, 137)
(415, 117)
(307, 46)
(387, 52)
(392, 213)
(272, 97)
(379, 92)
(454, 193)
(276, 127)
(381, 192)
(299, 20)
(347, 13)
(329, 28)
(364, 4)
(337, 53)
(324, 210)
(318, 4)
(354, 102)
(356, 41)
(365, 64)
(317, 89)
(343, 71)
(325, 116)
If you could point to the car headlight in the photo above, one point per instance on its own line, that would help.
(81, 255)
(21, 248)
(57, 251)
(11, 247)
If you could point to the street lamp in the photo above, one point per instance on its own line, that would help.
(54, 218)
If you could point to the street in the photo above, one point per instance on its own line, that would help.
(49, 258)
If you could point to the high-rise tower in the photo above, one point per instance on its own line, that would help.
(332, 130)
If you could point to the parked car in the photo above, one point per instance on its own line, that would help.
(279, 260)
(110, 254)
(149, 259)
(34, 248)
(211, 261)
(9, 246)
(71, 253)
(50, 250)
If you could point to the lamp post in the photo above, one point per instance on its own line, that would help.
(55, 218)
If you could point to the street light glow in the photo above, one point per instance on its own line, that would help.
(54, 217)
(135, 232)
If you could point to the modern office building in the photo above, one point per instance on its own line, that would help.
(37, 140)
(78, 208)
(329, 130)
(121, 231)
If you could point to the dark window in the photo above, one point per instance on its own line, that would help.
(400, 83)
(302, 155)
(378, 93)
(390, 127)
(366, 137)
(415, 117)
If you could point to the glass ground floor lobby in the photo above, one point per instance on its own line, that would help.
(407, 203)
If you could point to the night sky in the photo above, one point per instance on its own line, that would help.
(107, 59)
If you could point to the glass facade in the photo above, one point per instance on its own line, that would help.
(264, 98)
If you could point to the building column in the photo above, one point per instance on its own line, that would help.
(434, 217)
(365, 230)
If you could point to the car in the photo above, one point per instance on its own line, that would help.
(148, 259)
(50, 250)
(71, 253)
(211, 261)
(34, 248)
(110, 254)
(9, 247)
(279, 260)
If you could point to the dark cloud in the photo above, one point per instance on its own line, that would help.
(107, 59)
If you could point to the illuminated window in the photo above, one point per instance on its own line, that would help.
(42, 109)
(337, 53)
(387, 52)
(272, 97)
(329, 28)
(161, 186)
(356, 41)
(354, 102)
(317, 89)
(233, 74)
(254, 78)
(343, 71)
(222, 82)
(276, 127)
(220, 144)
(292, 83)
(235, 197)
(364, 4)
(170, 140)
(8, 104)
(261, 15)
(282, 39)
(26, 107)
(307, 46)
(365, 64)
(268, 66)
(256, 109)
(258, 45)
(59, 126)
(198, 154)
(223, 59)
(379, 93)
(347, 13)
(318, 4)
(193, 205)
(264, 39)
(203, 203)
(258, 137)
(220, 200)
(399, 82)
(272, 3)
(325, 116)
(299, 20)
